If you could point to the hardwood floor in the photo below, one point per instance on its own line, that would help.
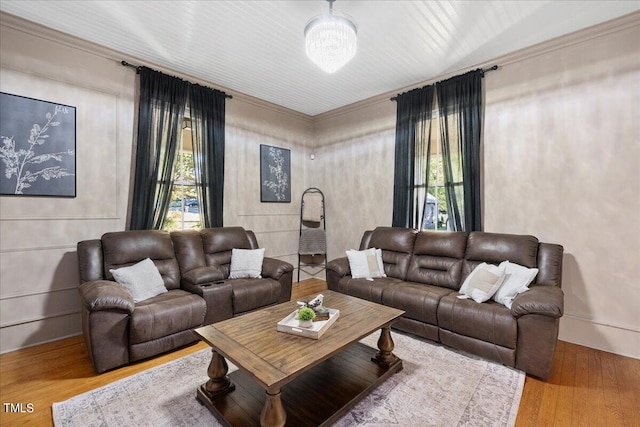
(587, 387)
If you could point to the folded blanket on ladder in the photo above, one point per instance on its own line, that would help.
(313, 241)
(312, 207)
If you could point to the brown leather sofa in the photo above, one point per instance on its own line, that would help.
(194, 266)
(426, 269)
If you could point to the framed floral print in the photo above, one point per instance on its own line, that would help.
(275, 174)
(37, 147)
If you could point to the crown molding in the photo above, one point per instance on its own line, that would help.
(40, 31)
(581, 36)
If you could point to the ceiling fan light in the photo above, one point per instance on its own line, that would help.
(330, 40)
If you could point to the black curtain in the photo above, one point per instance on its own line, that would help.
(160, 118)
(207, 109)
(413, 140)
(460, 107)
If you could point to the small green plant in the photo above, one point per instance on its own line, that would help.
(306, 313)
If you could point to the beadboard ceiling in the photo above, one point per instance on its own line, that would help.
(257, 47)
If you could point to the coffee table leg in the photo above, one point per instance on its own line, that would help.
(273, 414)
(218, 380)
(385, 354)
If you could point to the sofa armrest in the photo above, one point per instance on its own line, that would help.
(100, 295)
(545, 300)
(201, 276)
(275, 268)
(339, 266)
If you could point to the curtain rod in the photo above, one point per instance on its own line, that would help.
(485, 70)
(138, 67)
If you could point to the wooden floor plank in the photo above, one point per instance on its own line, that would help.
(580, 411)
(564, 405)
(532, 393)
(59, 370)
(611, 390)
(596, 411)
(627, 374)
(548, 403)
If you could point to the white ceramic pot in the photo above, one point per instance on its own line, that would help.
(305, 323)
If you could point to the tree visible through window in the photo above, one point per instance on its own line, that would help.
(184, 209)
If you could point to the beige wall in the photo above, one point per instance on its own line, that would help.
(561, 161)
(249, 124)
(38, 236)
(354, 168)
(561, 156)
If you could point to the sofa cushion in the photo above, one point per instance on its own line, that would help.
(437, 259)
(125, 248)
(489, 321)
(165, 314)
(493, 248)
(142, 280)
(368, 289)
(217, 244)
(419, 301)
(249, 294)
(396, 245)
(187, 245)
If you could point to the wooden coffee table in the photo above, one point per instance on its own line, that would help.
(307, 382)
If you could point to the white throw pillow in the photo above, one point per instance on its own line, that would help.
(483, 282)
(366, 264)
(517, 280)
(142, 280)
(246, 263)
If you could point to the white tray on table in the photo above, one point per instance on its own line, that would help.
(290, 325)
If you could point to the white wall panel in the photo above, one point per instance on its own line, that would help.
(28, 272)
(96, 150)
(38, 235)
(37, 307)
(38, 332)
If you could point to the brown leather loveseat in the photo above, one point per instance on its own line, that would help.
(194, 266)
(426, 269)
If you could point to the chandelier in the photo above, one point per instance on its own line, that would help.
(330, 39)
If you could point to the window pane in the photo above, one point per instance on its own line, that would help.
(184, 209)
(436, 215)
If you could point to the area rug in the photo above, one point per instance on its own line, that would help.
(437, 387)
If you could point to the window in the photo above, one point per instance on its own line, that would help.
(436, 209)
(184, 208)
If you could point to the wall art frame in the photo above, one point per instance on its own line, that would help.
(275, 174)
(37, 147)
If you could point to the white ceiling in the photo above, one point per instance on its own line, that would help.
(257, 47)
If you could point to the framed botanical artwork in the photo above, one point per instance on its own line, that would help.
(37, 147)
(275, 174)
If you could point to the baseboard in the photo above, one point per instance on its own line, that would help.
(611, 338)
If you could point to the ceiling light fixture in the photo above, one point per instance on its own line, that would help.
(330, 39)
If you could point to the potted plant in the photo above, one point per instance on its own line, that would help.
(305, 317)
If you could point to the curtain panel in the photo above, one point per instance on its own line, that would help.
(460, 110)
(207, 109)
(413, 143)
(160, 117)
(459, 101)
